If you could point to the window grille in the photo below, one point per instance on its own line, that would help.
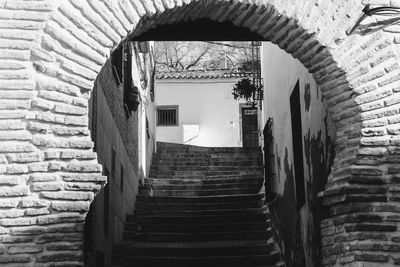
(167, 116)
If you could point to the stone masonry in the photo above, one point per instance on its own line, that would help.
(52, 51)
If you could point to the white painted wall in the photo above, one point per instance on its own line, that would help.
(208, 103)
(280, 72)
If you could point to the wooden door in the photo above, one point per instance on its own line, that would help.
(250, 127)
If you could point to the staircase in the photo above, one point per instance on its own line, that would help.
(204, 210)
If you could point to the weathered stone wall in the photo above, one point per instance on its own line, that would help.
(52, 51)
(113, 131)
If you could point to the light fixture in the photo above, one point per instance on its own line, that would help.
(381, 10)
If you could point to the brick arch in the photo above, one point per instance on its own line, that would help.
(50, 174)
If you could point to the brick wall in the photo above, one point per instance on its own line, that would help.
(52, 51)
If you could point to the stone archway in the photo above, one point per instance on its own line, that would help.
(52, 51)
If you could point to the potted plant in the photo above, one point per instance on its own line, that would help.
(244, 89)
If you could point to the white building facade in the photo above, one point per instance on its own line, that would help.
(198, 108)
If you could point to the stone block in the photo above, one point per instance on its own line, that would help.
(83, 177)
(79, 206)
(68, 195)
(24, 221)
(46, 186)
(14, 191)
(25, 157)
(27, 249)
(58, 219)
(34, 203)
(36, 212)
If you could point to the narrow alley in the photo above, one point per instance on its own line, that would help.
(199, 133)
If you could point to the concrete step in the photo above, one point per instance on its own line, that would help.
(204, 181)
(140, 205)
(203, 219)
(170, 261)
(201, 199)
(195, 249)
(165, 167)
(165, 146)
(206, 163)
(190, 187)
(190, 213)
(198, 227)
(196, 237)
(206, 210)
(206, 192)
(200, 158)
(204, 175)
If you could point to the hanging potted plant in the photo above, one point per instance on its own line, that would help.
(244, 89)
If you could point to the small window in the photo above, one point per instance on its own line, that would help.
(117, 64)
(167, 116)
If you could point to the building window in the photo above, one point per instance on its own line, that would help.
(122, 178)
(117, 59)
(167, 116)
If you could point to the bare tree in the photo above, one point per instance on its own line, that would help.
(193, 55)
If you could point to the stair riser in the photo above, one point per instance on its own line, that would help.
(197, 207)
(196, 200)
(233, 186)
(198, 228)
(181, 193)
(163, 167)
(174, 252)
(208, 163)
(199, 213)
(209, 181)
(174, 237)
(198, 219)
(194, 173)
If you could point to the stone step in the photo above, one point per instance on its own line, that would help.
(170, 261)
(206, 210)
(198, 227)
(189, 213)
(140, 205)
(204, 219)
(195, 249)
(203, 175)
(206, 163)
(201, 199)
(204, 181)
(163, 146)
(162, 167)
(196, 237)
(206, 192)
(190, 187)
(206, 157)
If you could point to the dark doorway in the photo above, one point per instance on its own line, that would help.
(297, 145)
(200, 29)
(250, 127)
